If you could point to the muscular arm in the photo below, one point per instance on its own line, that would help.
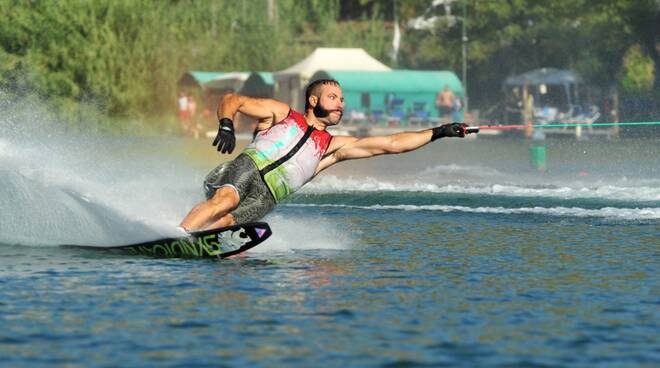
(349, 148)
(266, 111)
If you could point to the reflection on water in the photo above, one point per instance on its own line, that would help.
(495, 294)
(427, 259)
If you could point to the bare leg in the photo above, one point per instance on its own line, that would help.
(213, 211)
(226, 220)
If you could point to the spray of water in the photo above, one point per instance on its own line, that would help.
(60, 188)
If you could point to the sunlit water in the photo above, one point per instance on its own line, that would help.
(455, 255)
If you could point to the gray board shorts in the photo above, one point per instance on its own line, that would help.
(242, 175)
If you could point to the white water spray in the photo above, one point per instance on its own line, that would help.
(58, 188)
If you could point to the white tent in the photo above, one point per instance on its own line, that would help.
(291, 82)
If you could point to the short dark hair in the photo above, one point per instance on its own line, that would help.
(314, 86)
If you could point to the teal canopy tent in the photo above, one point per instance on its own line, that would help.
(198, 79)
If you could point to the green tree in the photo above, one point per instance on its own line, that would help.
(638, 71)
(514, 36)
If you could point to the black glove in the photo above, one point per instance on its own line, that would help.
(449, 130)
(225, 140)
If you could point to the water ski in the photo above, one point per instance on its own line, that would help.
(216, 243)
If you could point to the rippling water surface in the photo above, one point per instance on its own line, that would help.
(455, 255)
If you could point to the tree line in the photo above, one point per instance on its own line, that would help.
(122, 58)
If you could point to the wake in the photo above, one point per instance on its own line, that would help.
(611, 213)
(624, 189)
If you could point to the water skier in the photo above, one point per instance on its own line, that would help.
(289, 149)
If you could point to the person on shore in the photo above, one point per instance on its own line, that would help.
(288, 150)
(183, 110)
(444, 101)
(193, 125)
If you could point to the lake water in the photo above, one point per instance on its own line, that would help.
(458, 254)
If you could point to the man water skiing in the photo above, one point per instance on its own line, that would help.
(289, 149)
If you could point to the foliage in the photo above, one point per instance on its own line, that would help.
(638, 71)
(507, 37)
(122, 58)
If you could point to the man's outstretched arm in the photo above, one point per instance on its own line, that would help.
(349, 148)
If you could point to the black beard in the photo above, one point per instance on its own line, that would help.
(320, 112)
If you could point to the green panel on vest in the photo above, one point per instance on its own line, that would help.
(277, 185)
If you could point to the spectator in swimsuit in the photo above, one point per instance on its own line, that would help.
(444, 101)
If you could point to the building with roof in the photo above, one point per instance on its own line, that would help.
(258, 84)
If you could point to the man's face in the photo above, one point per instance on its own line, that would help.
(330, 105)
